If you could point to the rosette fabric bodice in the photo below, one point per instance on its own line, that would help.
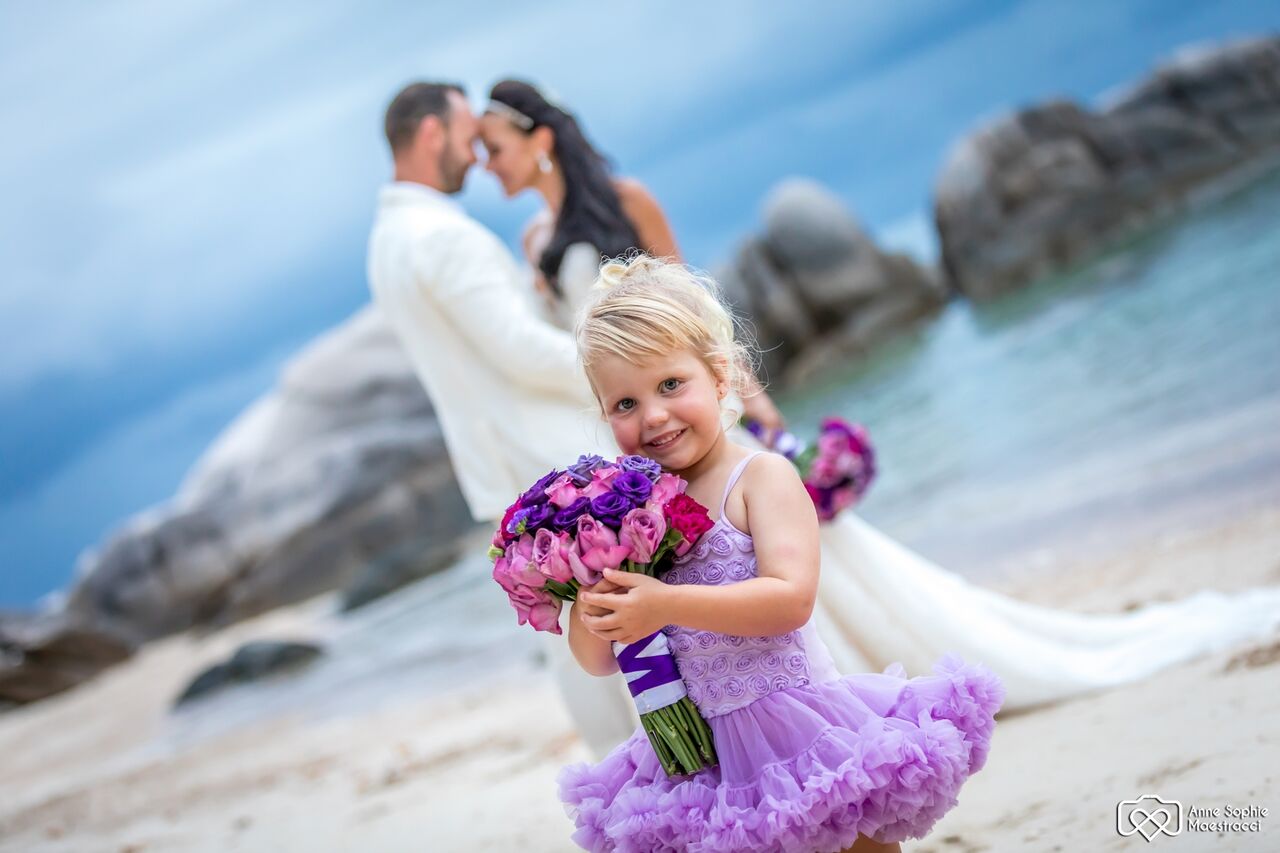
(721, 671)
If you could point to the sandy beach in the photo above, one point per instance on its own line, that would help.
(100, 768)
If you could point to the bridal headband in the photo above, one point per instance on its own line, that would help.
(511, 114)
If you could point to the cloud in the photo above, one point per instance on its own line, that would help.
(182, 168)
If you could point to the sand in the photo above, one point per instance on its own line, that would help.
(98, 768)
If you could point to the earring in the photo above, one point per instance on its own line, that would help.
(544, 164)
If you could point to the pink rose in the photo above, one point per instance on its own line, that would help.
(539, 609)
(832, 443)
(521, 568)
(563, 492)
(601, 481)
(595, 549)
(523, 546)
(824, 472)
(546, 616)
(502, 574)
(845, 496)
(642, 531)
(550, 554)
(667, 487)
(849, 463)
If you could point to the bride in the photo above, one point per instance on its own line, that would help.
(879, 602)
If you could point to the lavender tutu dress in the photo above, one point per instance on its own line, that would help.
(809, 760)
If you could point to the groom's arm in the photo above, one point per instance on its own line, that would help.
(473, 288)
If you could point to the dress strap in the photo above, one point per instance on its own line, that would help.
(734, 476)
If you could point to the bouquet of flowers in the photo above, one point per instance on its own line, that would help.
(836, 471)
(565, 531)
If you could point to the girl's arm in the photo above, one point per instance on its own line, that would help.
(594, 655)
(652, 227)
(784, 528)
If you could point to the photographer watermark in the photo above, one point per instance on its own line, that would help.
(1151, 815)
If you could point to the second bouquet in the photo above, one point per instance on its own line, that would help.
(565, 531)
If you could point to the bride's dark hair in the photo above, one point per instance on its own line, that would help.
(591, 212)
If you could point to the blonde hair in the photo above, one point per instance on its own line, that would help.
(644, 308)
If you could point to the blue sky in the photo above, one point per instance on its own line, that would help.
(189, 186)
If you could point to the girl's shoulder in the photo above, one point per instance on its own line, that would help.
(762, 478)
(767, 474)
(765, 469)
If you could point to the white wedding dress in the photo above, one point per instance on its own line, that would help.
(880, 603)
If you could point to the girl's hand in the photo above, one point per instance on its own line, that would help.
(603, 587)
(630, 616)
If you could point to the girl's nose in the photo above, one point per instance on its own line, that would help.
(655, 416)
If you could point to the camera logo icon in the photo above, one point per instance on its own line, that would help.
(1149, 816)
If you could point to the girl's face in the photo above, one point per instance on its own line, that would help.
(512, 154)
(667, 409)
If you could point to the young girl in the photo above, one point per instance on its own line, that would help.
(809, 760)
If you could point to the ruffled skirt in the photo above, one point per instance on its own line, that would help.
(804, 769)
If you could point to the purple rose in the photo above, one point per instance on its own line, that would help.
(568, 517)
(538, 516)
(610, 508)
(537, 493)
(582, 470)
(634, 486)
(642, 464)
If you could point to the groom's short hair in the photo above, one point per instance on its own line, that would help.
(414, 103)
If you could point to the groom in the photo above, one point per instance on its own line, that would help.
(505, 384)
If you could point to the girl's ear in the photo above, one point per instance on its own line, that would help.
(720, 373)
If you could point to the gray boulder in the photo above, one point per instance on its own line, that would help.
(337, 466)
(1044, 187)
(251, 662)
(816, 286)
(414, 560)
(42, 654)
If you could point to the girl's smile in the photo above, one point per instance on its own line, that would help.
(665, 440)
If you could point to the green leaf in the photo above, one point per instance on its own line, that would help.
(563, 591)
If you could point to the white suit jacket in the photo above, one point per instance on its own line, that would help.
(512, 401)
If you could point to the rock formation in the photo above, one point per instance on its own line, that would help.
(1050, 185)
(817, 288)
(339, 465)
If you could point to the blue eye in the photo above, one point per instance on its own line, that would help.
(625, 405)
(670, 384)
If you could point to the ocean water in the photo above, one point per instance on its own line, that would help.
(1136, 397)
